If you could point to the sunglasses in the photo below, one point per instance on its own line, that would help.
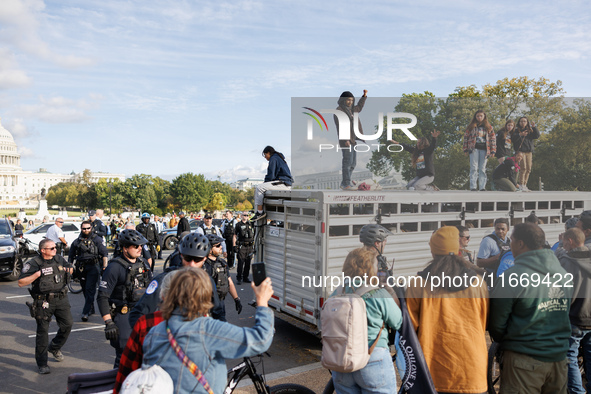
(135, 246)
(86, 228)
(59, 222)
(54, 248)
(192, 258)
(217, 246)
(468, 237)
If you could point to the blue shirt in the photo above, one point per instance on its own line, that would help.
(207, 342)
(489, 247)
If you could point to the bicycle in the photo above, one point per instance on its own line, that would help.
(247, 367)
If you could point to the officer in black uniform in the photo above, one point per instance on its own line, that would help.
(217, 268)
(193, 248)
(117, 251)
(89, 251)
(244, 247)
(123, 283)
(47, 274)
(98, 227)
(148, 230)
(228, 226)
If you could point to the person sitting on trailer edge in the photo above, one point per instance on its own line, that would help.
(278, 178)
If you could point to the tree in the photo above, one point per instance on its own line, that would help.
(217, 203)
(139, 192)
(66, 194)
(564, 154)
(190, 191)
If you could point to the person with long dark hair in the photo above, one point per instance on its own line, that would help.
(422, 161)
(347, 105)
(450, 318)
(523, 141)
(504, 174)
(278, 178)
(504, 148)
(479, 143)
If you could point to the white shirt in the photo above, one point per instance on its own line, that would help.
(55, 233)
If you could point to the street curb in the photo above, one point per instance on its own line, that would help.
(283, 374)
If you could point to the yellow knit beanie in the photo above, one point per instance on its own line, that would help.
(445, 241)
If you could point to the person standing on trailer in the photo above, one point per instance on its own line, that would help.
(523, 141)
(347, 105)
(479, 143)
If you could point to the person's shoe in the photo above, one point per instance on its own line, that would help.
(482, 190)
(44, 370)
(473, 190)
(246, 280)
(84, 318)
(525, 189)
(59, 357)
(238, 282)
(347, 187)
(258, 216)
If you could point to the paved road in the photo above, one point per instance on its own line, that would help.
(87, 350)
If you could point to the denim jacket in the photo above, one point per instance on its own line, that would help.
(207, 342)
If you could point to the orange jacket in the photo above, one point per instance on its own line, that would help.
(451, 330)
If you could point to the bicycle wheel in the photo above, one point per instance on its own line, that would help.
(493, 372)
(290, 388)
(329, 389)
(74, 285)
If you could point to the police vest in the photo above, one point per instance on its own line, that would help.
(136, 280)
(148, 231)
(245, 232)
(207, 231)
(87, 250)
(228, 229)
(504, 247)
(53, 275)
(219, 273)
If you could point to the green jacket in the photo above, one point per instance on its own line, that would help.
(532, 319)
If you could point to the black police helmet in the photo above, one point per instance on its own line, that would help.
(372, 233)
(214, 239)
(131, 237)
(194, 244)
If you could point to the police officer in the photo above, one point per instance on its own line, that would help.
(89, 251)
(123, 283)
(228, 226)
(207, 227)
(117, 251)
(98, 227)
(148, 230)
(218, 270)
(47, 274)
(244, 247)
(193, 248)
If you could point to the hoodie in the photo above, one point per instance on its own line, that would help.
(578, 263)
(529, 319)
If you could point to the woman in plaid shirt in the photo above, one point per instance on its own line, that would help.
(480, 144)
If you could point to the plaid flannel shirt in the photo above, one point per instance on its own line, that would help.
(133, 354)
(470, 141)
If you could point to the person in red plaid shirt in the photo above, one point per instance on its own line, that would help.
(133, 354)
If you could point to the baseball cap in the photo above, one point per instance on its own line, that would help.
(91, 212)
(208, 216)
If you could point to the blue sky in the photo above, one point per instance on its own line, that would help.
(167, 87)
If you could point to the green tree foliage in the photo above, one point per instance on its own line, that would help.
(139, 192)
(191, 192)
(65, 194)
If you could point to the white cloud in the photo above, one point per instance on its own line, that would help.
(58, 109)
(21, 27)
(10, 74)
(26, 152)
(18, 129)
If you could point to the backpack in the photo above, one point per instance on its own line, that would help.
(344, 331)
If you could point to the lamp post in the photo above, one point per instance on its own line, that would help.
(110, 188)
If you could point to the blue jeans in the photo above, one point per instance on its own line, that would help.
(578, 337)
(377, 376)
(478, 169)
(349, 163)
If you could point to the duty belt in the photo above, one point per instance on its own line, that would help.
(49, 296)
(245, 243)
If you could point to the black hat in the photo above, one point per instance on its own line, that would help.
(347, 94)
(208, 216)
(91, 212)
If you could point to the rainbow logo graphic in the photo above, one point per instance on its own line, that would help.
(316, 119)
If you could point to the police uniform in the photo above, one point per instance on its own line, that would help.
(99, 228)
(211, 230)
(244, 240)
(121, 287)
(228, 234)
(151, 234)
(219, 272)
(50, 298)
(88, 253)
(117, 251)
(150, 301)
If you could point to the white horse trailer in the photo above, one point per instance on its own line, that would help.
(311, 232)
